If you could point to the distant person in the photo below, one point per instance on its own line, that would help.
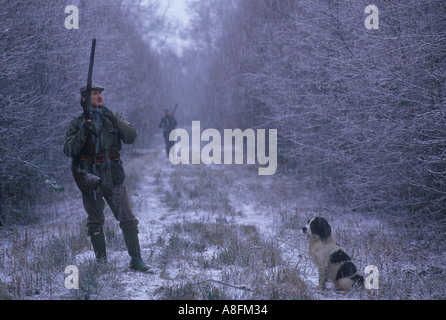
(168, 123)
(94, 145)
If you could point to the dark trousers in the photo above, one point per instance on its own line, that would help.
(118, 201)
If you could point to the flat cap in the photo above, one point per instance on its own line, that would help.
(93, 87)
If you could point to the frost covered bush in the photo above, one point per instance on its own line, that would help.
(359, 113)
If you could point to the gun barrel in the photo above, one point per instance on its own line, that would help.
(89, 81)
(176, 107)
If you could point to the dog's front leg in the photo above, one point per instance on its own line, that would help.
(323, 275)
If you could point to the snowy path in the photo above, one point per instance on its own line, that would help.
(154, 216)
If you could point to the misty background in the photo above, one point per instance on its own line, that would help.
(360, 113)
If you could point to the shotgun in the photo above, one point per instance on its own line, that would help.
(87, 182)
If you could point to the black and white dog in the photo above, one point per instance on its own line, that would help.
(332, 262)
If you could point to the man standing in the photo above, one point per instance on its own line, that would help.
(94, 145)
(168, 123)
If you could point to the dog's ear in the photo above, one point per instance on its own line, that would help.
(320, 227)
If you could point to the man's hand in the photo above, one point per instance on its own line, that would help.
(121, 118)
(87, 127)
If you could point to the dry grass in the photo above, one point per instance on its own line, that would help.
(33, 263)
(218, 257)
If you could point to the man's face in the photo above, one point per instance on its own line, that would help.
(96, 98)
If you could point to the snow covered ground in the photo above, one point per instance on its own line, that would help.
(217, 232)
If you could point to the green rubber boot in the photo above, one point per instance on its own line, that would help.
(98, 241)
(132, 243)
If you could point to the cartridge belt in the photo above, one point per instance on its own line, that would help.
(99, 158)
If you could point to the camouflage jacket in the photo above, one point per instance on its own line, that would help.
(110, 130)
